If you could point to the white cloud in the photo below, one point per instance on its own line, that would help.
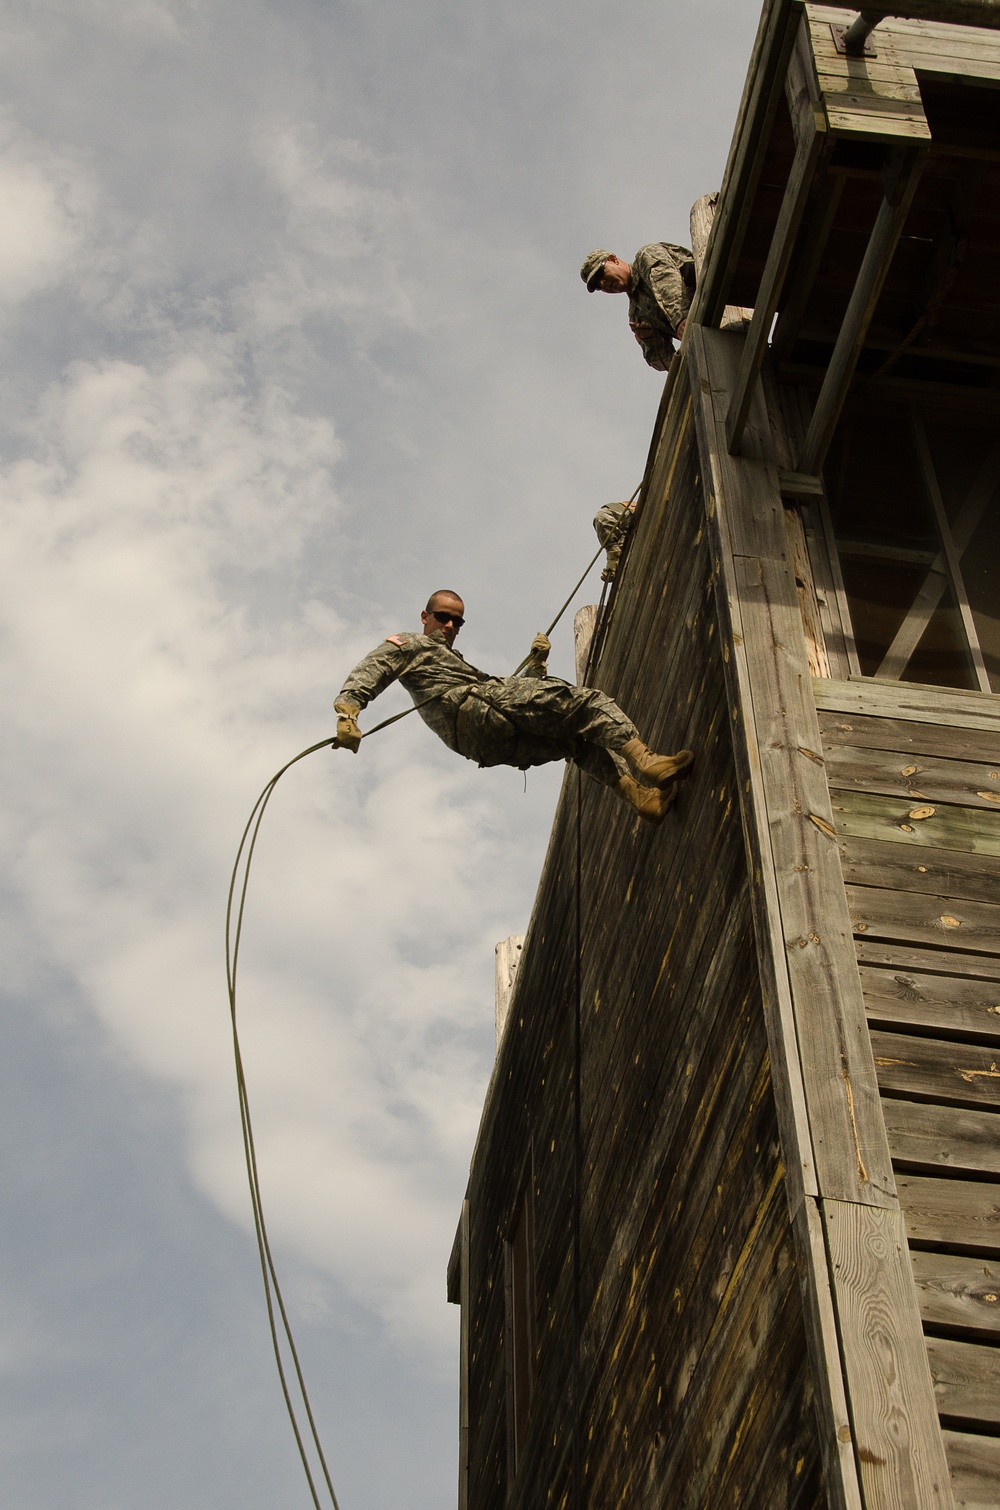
(150, 701)
(46, 200)
(347, 232)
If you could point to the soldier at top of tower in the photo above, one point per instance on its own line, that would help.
(659, 282)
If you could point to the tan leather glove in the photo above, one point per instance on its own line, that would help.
(348, 733)
(540, 647)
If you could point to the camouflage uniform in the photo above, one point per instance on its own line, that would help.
(612, 524)
(497, 720)
(662, 288)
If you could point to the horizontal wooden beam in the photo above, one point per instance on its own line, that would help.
(860, 309)
(800, 485)
(954, 12)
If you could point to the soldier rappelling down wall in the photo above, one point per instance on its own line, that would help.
(520, 721)
(660, 283)
(612, 523)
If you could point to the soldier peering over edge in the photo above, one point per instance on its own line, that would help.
(520, 721)
(660, 283)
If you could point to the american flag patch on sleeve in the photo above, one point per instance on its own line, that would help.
(395, 639)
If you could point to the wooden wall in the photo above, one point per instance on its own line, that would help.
(668, 1356)
(914, 776)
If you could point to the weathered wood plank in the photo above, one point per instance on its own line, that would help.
(836, 1441)
(870, 816)
(745, 491)
(948, 1138)
(785, 1064)
(872, 76)
(898, 1444)
(951, 962)
(932, 1068)
(966, 1380)
(887, 94)
(946, 741)
(841, 1093)
(871, 115)
(928, 43)
(805, 585)
(959, 1215)
(959, 1292)
(741, 1374)
(507, 957)
(910, 701)
(878, 97)
(944, 1004)
(975, 1469)
(924, 779)
(917, 918)
(584, 625)
(729, 485)
(898, 867)
(464, 1299)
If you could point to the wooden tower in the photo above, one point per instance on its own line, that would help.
(732, 1231)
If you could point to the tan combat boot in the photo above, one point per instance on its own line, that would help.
(659, 770)
(650, 802)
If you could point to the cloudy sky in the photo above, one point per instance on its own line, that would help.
(292, 333)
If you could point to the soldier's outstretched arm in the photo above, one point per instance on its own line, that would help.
(378, 670)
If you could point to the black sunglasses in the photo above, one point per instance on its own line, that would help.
(447, 618)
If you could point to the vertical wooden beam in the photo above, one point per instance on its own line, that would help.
(898, 1441)
(584, 625)
(950, 552)
(734, 316)
(508, 957)
(805, 586)
(800, 180)
(761, 94)
(861, 306)
(826, 1092)
(465, 1291)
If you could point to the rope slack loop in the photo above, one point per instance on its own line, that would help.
(272, 1289)
(306, 1434)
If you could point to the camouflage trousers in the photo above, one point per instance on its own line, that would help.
(522, 721)
(612, 523)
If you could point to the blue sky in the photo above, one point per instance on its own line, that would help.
(292, 334)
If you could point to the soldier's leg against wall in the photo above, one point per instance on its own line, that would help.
(489, 738)
(604, 767)
(552, 709)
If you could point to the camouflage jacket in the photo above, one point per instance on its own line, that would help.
(612, 523)
(660, 296)
(427, 668)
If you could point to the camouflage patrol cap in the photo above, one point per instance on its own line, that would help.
(593, 266)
